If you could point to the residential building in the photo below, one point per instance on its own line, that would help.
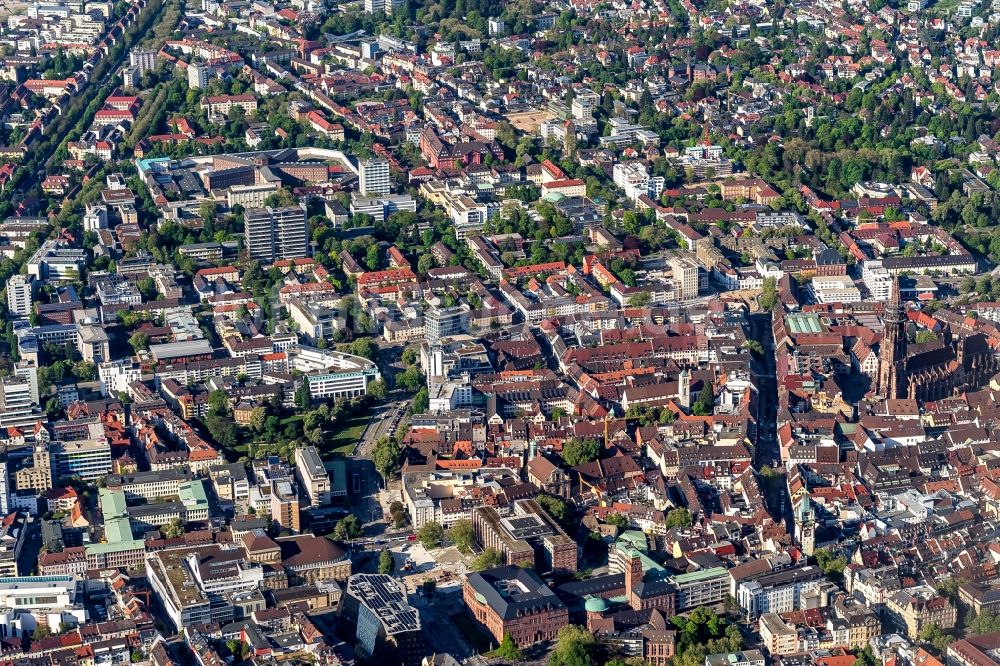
(373, 176)
(910, 611)
(271, 234)
(20, 289)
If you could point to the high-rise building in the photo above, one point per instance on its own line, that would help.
(374, 175)
(144, 60)
(19, 292)
(270, 234)
(312, 475)
(17, 406)
(892, 352)
(198, 75)
(685, 272)
(29, 370)
(4, 486)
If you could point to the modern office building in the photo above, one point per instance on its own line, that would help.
(685, 275)
(374, 177)
(196, 585)
(312, 475)
(27, 602)
(89, 459)
(333, 374)
(55, 262)
(270, 234)
(386, 628)
(442, 322)
(17, 402)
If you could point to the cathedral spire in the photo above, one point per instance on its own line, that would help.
(892, 350)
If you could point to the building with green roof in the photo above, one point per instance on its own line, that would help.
(119, 548)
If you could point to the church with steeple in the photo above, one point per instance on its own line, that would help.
(961, 358)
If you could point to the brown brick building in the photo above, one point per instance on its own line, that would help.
(528, 537)
(515, 601)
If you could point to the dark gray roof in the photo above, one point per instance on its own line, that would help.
(512, 592)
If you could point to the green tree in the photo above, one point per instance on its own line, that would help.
(579, 451)
(984, 623)
(463, 535)
(936, 638)
(431, 535)
(398, 514)
(218, 403)
(508, 650)
(376, 390)
(302, 397)
(487, 559)
(387, 456)
(139, 341)
(173, 529)
(347, 528)
(832, 565)
(618, 520)
(769, 294)
(705, 404)
(385, 563)
(421, 401)
(679, 517)
(555, 507)
(411, 379)
(575, 646)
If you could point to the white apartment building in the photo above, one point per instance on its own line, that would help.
(19, 293)
(779, 592)
(633, 178)
(115, 376)
(198, 75)
(374, 178)
(877, 280)
(583, 104)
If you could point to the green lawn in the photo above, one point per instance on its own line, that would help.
(346, 436)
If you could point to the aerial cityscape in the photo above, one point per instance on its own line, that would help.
(555, 332)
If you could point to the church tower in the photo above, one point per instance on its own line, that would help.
(684, 389)
(805, 526)
(892, 351)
